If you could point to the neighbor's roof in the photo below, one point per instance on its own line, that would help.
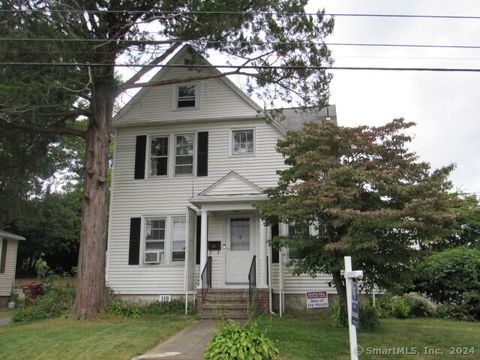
(292, 119)
(10, 236)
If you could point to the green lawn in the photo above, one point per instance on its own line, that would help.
(101, 339)
(314, 337)
(4, 312)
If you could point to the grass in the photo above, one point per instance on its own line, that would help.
(100, 339)
(4, 312)
(315, 337)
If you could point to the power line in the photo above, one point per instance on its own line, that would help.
(362, 68)
(133, 41)
(223, 12)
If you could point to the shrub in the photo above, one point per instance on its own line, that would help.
(452, 276)
(57, 301)
(340, 318)
(400, 308)
(119, 307)
(234, 341)
(368, 316)
(419, 305)
(384, 305)
(453, 312)
(172, 307)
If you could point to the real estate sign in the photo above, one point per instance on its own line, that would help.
(317, 299)
(355, 317)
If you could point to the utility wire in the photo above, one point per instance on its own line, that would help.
(220, 12)
(365, 68)
(245, 42)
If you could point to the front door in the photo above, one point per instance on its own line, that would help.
(238, 256)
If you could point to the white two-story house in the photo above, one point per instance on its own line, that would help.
(189, 161)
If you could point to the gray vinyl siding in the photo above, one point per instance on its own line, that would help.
(8, 277)
(216, 100)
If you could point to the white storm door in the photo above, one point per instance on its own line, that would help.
(238, 255)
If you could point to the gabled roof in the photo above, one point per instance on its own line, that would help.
(182, 53)
(232, 184)
(10, 236)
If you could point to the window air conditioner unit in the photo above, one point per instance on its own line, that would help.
(153, 257)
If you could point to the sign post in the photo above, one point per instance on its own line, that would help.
(351, 278)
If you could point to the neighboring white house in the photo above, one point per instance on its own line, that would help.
(8, 262)
(190, 159)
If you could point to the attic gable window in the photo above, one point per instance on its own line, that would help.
(186, 96)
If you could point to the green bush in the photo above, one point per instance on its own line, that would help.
(452, 277)
(119, 307)
(419, 305)
(400, 308)
(172, 307)
(453, 312)
(340, 318)
(58, 300)
(383, 305)
(237, 342)
(368, 316)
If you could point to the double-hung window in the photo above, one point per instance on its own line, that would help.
(186, 96)
(155, 239)
(184, 145)
(243, 142)
(178, 238)
(159, 156)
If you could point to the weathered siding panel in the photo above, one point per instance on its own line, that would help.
(8, 277)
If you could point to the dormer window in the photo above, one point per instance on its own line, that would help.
(186, 96)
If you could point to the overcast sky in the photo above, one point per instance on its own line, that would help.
(445, 106)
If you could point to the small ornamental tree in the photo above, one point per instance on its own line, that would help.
(365, 194)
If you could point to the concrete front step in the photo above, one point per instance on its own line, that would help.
(225, 304)
(222, 314)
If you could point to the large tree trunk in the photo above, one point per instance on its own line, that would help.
(339, 282)
(91, 294)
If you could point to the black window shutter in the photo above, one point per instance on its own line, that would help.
(202, 154)
(140, 149)
(3, 259)
(134, 248)
(275, 253)
(198, 240)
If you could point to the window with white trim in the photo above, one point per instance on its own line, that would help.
(186, 96)
(154, 239)
(243, 142)
(178, 238)
(159, 155)
(184, 145)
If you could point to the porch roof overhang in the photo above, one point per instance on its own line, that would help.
(227, 202)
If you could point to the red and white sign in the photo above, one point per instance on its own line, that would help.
(317, 299)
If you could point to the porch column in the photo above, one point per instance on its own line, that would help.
(263, 255)
(203, 240)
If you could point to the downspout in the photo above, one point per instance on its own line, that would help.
(187, 255)
(269, 264)
(280, 283)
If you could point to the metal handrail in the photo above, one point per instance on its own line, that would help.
(252, 279)
(206, 277)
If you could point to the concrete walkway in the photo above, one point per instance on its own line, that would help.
(188, 344)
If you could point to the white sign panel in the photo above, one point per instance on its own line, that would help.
(165, 298)
(317, 299)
